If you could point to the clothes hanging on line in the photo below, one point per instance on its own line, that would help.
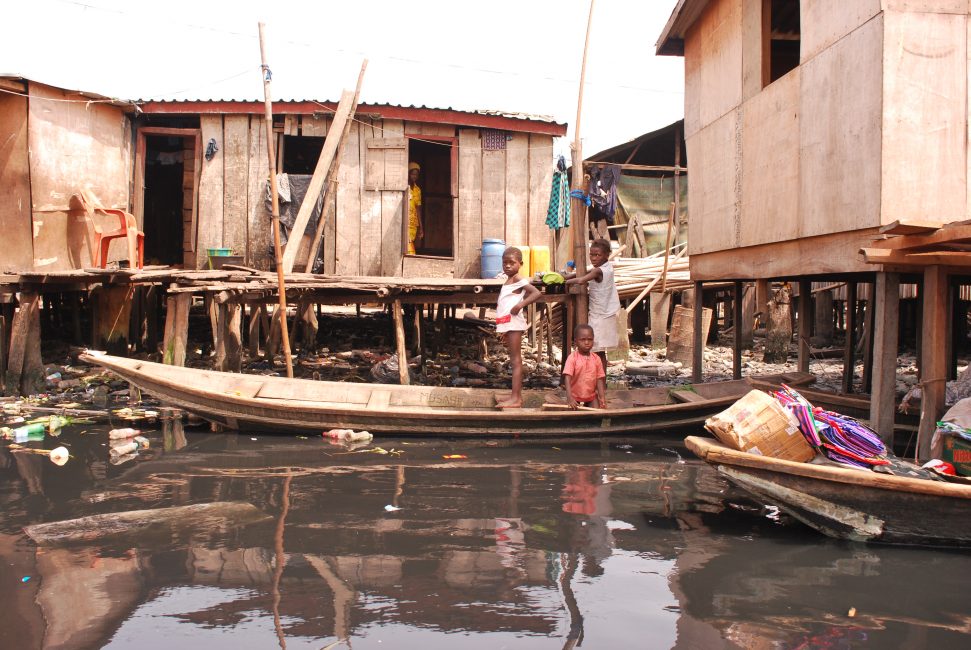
(602, 191)
(558, 213)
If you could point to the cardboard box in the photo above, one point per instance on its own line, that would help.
(758, 424)
(957, 451)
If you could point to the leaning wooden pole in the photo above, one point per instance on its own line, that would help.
(578, 230)
(275, 203)
(332, 176)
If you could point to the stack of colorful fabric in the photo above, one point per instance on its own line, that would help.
(838, 437)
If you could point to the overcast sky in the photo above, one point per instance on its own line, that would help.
(512, 55)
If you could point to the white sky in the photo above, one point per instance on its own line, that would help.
(513, 55)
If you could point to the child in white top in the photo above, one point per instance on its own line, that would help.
(604, 303)
(515, 294)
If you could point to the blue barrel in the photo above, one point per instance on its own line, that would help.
(492, 257)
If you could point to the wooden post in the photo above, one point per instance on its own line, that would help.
(748, 317)
(253, 335)
(229, 356)
(578, 229)
(849, 352)
(823, 317)
(25, 370)
(151, 319)
(275, 203)
(762, 296)
(805, 323)
(698, 339)
(868, 342)
(399, 338)
(176, 329)
(212, 309)
(114, 315)
(933, 366)
(737, 338)
(886, 314)
(4, 347)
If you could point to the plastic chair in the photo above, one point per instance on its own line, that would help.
(99, 241)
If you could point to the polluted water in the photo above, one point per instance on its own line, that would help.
(201, 539)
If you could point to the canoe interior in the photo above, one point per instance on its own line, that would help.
(257, 402)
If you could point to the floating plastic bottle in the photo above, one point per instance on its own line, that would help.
(26, 433)
(135, 444)
(348, 435)
(122, 434)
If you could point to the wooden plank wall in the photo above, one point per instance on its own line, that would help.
(15, 218)
(468, 234)
(501, 194)
(73, 145)
(212, 189)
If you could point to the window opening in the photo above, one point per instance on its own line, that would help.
(301, 153)
(782, 38)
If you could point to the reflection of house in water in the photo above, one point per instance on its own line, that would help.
(476, 548)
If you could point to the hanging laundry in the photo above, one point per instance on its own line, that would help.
(558, 214)
(602, 190)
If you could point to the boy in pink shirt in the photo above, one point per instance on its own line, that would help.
(583, 373)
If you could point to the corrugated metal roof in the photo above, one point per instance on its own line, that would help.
(548, 119)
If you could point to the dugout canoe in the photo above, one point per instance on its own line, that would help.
(277, 404)
(851, 504)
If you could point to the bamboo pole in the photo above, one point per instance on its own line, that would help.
(275, 202)
(578, 230)
(332, 177)
(667, 250)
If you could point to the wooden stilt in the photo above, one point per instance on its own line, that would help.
(114, 313)
(4, 347)
(823, 317)
(660, 309)
(698, 339)
(309, 327)
(213, 311)
(176, 335)
(886, 313)
(25, 369)
(533, 333)
(229, 356)
(868, 342)
(151, 319)
(274, 337)
(849, 351)
(399, 337)
(253, 335)
(737, 338)
(951, 350)
(419, 334)
(748, 317)
(805, 323)
(933, 367)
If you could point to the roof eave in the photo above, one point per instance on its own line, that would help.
(683, 16)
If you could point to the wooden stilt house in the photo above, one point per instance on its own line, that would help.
(812, 129)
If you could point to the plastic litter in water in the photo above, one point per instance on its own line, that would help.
(390, 508)
(25, 579)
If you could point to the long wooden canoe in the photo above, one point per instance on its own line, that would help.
(261, 403)
(845, 503)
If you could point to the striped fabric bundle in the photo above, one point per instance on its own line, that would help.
(840, 438)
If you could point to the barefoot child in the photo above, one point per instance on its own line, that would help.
(583, 375)
(604, 301)
(516, 294)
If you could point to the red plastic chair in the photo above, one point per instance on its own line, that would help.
(99, 241)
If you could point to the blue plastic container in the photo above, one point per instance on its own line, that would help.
(492, 257)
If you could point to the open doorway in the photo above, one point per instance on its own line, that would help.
(167, 202)
(438, 161)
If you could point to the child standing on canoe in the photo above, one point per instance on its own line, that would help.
(583, 374)
(604, 301)
(516, 294)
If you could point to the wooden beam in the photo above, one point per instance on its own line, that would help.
(933, 366)
(885, 306)
(945, 235)
(804, 323)
(899, 258)
(327, 154)
(399, 338)
(910, 227)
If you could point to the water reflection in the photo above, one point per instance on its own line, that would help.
(547, 544)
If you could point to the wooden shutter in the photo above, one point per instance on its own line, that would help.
(386, 164)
